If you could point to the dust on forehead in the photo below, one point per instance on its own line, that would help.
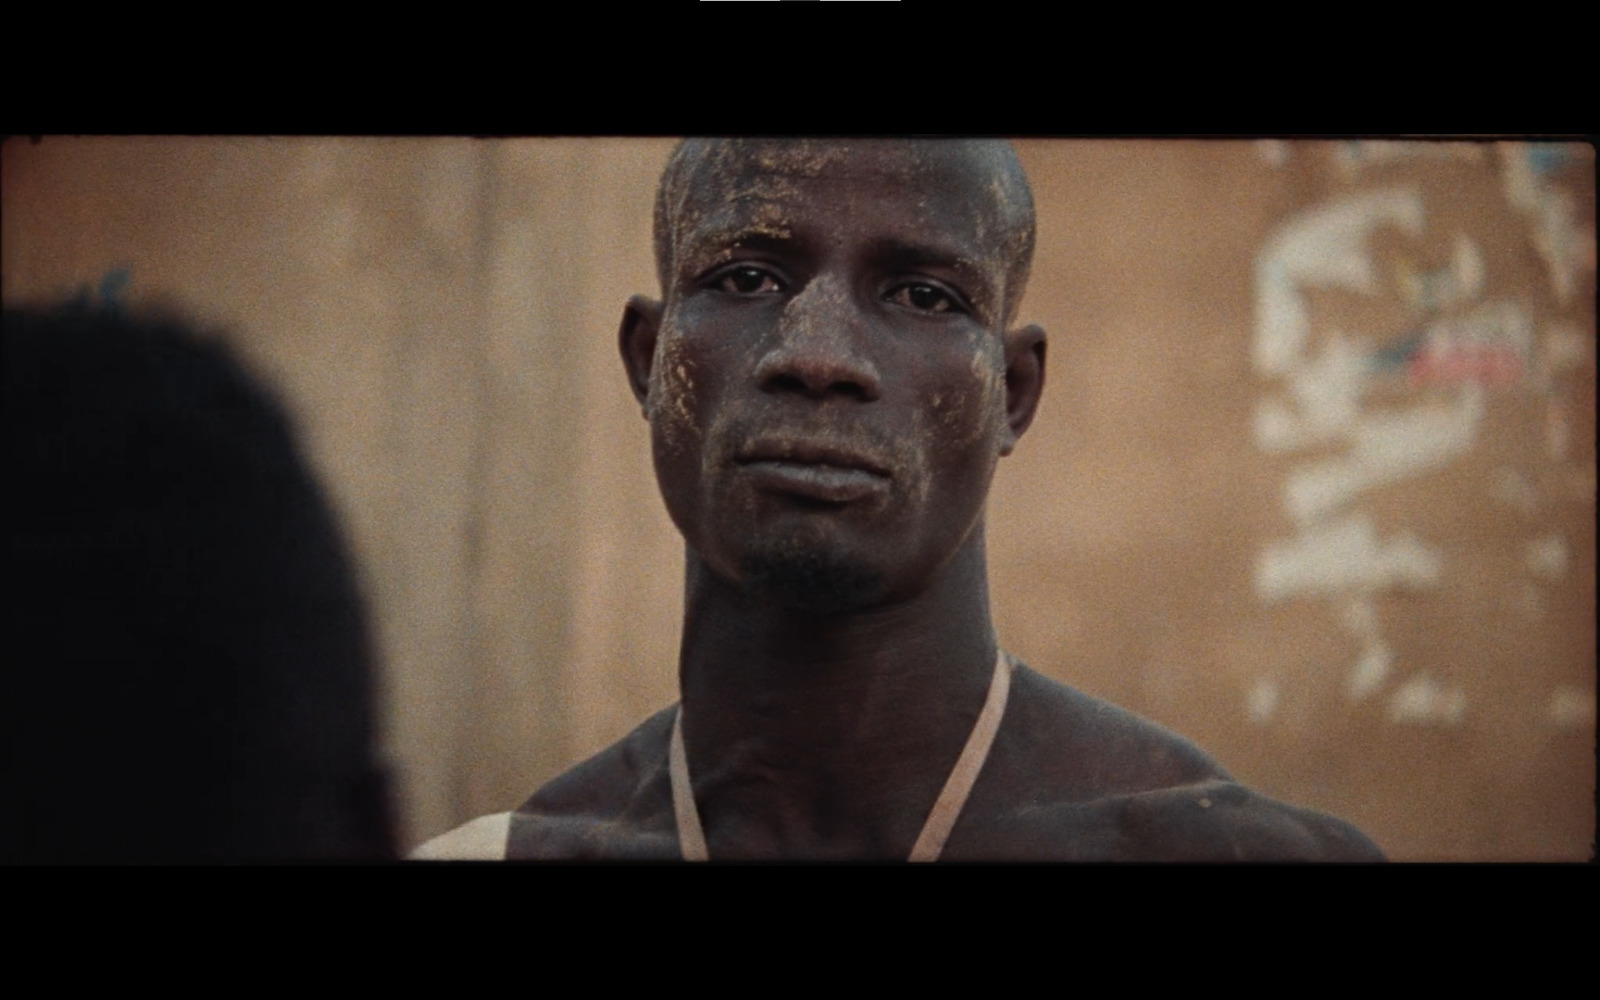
(698, 168)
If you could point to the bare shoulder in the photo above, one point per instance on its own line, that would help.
(616, 805)
(1075, 747)
(1225, 821)
(1077, 778)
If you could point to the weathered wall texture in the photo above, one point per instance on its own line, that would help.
(1313, 482)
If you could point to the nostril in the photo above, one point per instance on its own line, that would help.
(855, 390)
(824, 385)
(786, 383)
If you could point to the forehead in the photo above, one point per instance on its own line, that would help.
(958, 197)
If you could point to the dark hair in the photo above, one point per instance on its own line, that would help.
(194, 679)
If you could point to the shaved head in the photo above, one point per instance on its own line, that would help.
(699, 177)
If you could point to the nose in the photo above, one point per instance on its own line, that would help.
(819, 346)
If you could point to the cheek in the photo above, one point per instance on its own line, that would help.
(968, 407)
(958, 433)
(673, 403)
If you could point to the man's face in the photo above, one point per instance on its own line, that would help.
(827, 387)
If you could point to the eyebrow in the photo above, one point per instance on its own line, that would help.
(742, 234)
(892, 251)
(905, 253)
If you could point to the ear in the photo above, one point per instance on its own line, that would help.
(636, 339)
(1024, 380)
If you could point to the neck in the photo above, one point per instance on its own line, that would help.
(830, 734)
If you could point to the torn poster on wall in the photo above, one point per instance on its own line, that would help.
(1331, 395)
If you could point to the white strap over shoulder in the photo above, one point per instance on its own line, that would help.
(946, 809)
(691, 838)
(482, 839)
(953, 797)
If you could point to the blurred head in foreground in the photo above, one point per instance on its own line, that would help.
(193, 679)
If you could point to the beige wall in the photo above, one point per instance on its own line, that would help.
(440, 314)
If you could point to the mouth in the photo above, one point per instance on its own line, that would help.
(814, 471)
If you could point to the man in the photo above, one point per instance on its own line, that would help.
(193, 676)
(830, 378)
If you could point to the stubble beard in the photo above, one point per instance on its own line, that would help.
(812, 580)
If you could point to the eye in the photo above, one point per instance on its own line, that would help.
(747, 279)
(924, 297)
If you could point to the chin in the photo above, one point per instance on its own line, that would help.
(813, 581)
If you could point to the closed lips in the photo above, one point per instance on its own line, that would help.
(822, 473)
(810, 454)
